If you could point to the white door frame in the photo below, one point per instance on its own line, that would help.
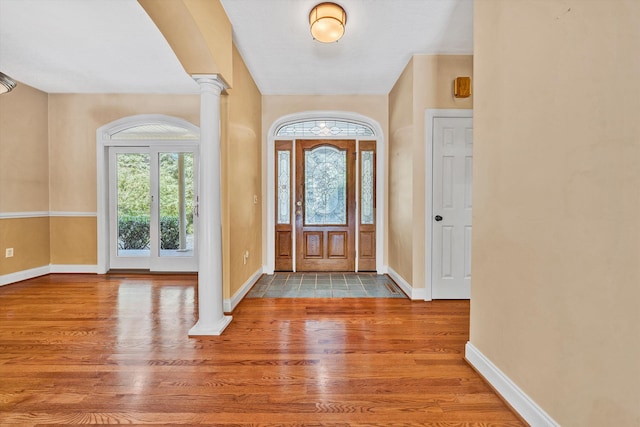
(381, 268)
(430, 115)
(103, 142)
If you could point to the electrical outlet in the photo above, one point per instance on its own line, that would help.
(8, 253)
(245, 256)
(255, 199)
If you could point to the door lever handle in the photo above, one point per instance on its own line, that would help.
(438, 218)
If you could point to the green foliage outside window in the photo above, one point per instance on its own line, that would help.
(133, 232)
(134, 200)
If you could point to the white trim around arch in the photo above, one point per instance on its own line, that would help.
(103, 142)
(430, 115)
(380, 176)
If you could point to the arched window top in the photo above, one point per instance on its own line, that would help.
(156, 131)
(311, 128)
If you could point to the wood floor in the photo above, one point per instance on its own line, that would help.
(87, 349)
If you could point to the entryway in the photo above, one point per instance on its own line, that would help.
(325, 191)
(325, 285)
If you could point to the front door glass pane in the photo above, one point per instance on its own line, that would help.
(284, 186)
(366, 187)
(325, 191)
(134, 210)
(175, 174)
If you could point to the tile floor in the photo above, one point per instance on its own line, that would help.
(325, 285)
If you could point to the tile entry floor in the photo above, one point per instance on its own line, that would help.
(325, 285)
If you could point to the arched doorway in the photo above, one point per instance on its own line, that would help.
(346, 231)
(147, 192)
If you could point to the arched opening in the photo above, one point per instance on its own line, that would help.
(294, 241)
(147, 179)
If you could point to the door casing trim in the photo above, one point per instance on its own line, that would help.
(430, 115)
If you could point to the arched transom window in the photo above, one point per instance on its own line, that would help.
(156, 131)
(311, 128)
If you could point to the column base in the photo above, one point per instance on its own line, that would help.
(211, 329)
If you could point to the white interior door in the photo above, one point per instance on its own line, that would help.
(151, 217)
(451, 193)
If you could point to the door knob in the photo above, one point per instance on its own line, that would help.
(298, 203)
(438, 218)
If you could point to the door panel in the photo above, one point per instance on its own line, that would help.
(325, 206)
(367, 192)
(175, 223)
(451, 243)
(283, 206)
(130, 207)
(338, 247)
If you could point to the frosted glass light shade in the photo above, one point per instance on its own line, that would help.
(6, 83)
(327, 21)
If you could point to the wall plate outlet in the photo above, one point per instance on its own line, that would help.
(8, 253)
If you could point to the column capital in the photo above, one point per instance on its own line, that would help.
(213, 81)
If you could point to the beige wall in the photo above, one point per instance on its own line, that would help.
(29, 238)
(242, 178)
(24, 179)
(73, 122)
(556, 240)
(73, 240)
(426, 83)
(276, 106)
(24, 153)
(400, 175)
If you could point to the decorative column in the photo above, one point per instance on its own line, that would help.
(211, 318)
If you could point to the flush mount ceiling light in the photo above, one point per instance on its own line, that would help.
(6, 83)
(327, 21)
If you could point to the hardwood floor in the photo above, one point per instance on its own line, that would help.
(87, 349)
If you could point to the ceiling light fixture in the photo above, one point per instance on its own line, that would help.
(327, 21)
(6, 83)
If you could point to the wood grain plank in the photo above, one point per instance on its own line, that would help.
(113, 349)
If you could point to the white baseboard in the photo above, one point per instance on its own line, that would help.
(23, 275)
(71, 268)
(413, 293)
(518, 399)
(231, 303)
(19, 276)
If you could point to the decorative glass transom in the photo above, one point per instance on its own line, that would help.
(325, 189)
(156, 131)
(312, 128)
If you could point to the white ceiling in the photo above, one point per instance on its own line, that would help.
(112, 46)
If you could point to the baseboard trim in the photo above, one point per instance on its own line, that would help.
(19, 276)
(73, 268)
(412, 293)
(510, 392)
(230, 304)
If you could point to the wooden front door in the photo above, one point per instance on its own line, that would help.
(325, 206)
